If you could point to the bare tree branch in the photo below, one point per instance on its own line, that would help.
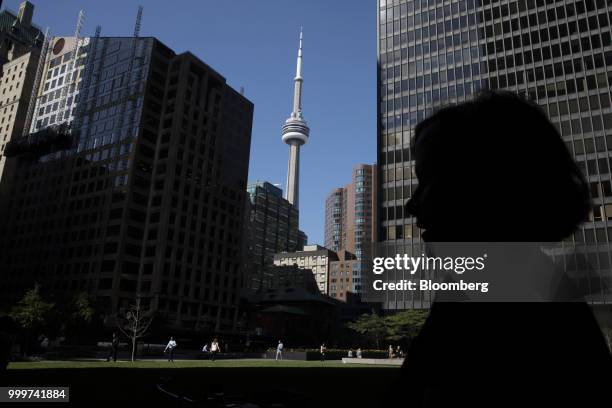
(135, 323)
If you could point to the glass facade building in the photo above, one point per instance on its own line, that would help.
(433, 53)
(334, 219)
(111, 92)
(273, 223)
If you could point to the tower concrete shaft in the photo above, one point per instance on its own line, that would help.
(293, 175)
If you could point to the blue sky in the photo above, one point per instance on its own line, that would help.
(254, 44)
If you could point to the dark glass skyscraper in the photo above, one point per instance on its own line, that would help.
(432, 53)
(144, 196)
(273, 223)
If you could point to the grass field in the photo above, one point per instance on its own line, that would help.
(163, 364)
(265, 383)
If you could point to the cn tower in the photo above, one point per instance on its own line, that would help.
(295, 134)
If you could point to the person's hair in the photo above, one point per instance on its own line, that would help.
(501, 155)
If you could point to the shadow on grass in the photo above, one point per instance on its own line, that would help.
(209, 387)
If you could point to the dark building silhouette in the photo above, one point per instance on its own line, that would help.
(272, 227)
(273, 222)
(17, 32)
(289, 305)
(148, 195)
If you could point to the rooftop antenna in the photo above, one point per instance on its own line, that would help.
(128, 93)
(44, 50)
(82, 107)
(138, 22)
(64, 113)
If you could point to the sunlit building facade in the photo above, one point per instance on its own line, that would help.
(433, 53)
(350, 213)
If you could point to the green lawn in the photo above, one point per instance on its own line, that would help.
(157, 364)
(265, 383)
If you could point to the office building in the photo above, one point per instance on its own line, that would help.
(335, 219)
(558, 54)
(313, 257)
(16, 82)
(273, 223)
(350, 213)
(18, 35)
(20, 46)
(302, 240)
(345, 277)
(133, 181)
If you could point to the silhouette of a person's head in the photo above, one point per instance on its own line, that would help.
(495, 169)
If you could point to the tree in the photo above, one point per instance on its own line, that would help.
(404, 325)
(82, 309)
(31, 312)
(396, 327)
(370, 325)
(134, 323)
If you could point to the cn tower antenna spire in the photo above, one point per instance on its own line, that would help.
(298, 71)
(295, 132)
(297, 95)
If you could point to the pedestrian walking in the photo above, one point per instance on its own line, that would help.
(214, 349)
(170, 349)
(322, 351)
(279, 350)
(114, 348)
